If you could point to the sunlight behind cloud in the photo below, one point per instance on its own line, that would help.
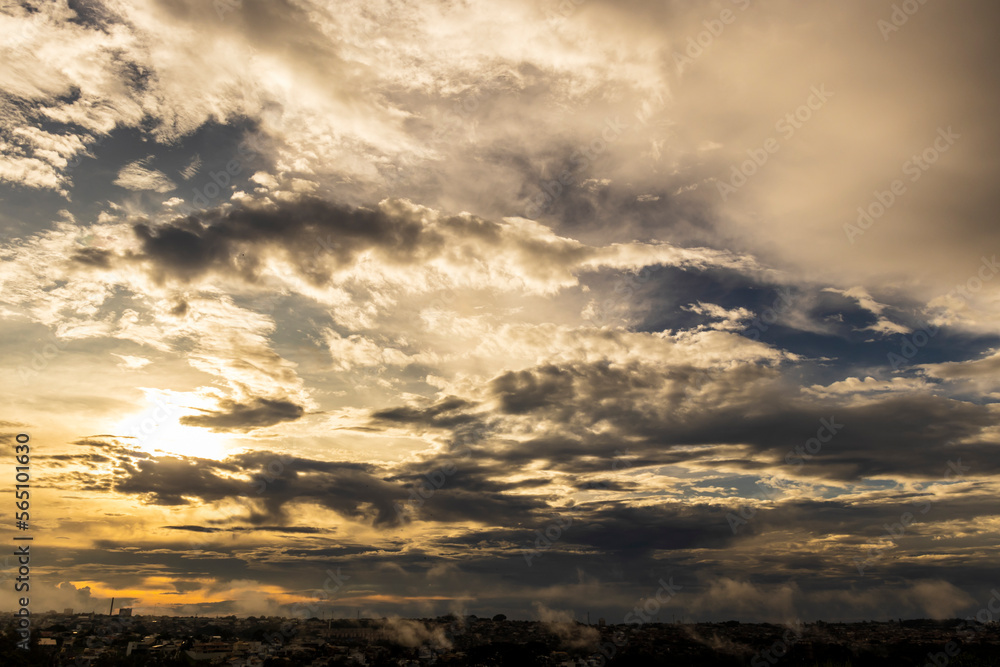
(157, 429)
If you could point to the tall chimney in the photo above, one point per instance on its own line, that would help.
(111, 611)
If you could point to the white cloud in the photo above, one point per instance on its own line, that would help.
(136, 176)
(265, 179)
(729, 319)
(132, 363)
(868, 385)
(189, 171)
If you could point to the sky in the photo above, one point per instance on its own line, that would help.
(676, 310)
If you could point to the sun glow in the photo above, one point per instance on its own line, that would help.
(158, 429)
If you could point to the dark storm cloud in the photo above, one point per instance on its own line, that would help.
(606, 485)
(525, 391)
(913, 435)
(657, 411)
(272, 529)
(173, 481)
(305, 530)
(863, 520)
(236, 416)
(908, 436)
(180, 309)
(353, 494)
(610, 544)
(459, 490)
(320, 239)
(226, 242)
(442, 414)
(343, 487)
(194, 529)
(91, 14)
(351, 490)
(340, 551)
(465, 483)
(617, 529)
(122, 563)
(98, 257)
(581, 208)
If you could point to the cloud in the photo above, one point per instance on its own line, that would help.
(883, 325)
(136, 176)
(433, 128)
(192, 167)
(323, 241)
(479, 274)
(446, 413)
(983, 368)
(347, 488)
(132, 363)
(233, 416)
(730, 320)
(172, 481)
